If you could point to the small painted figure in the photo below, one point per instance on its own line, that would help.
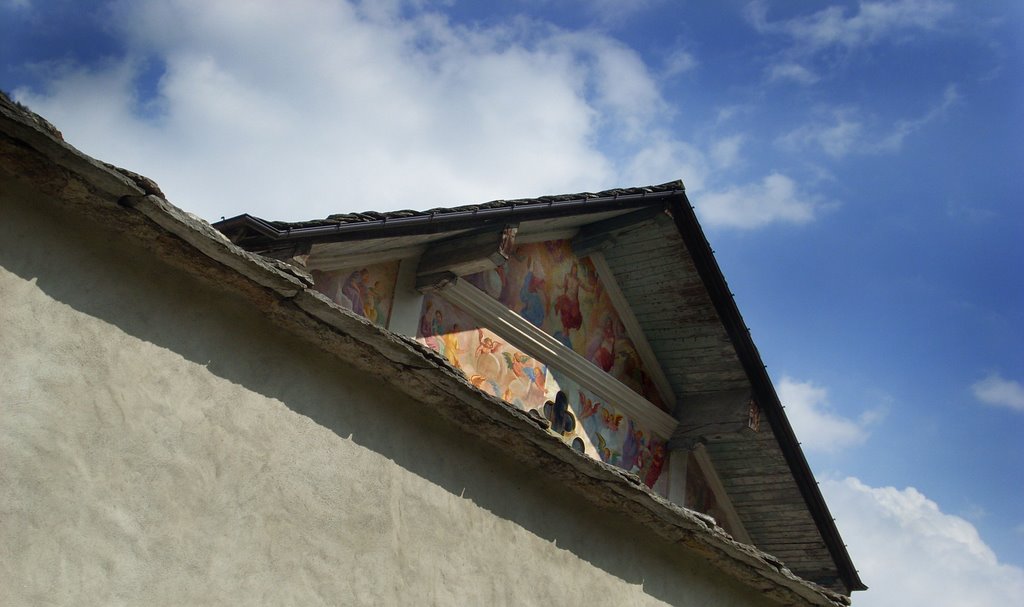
(451, 346)
(355, 290)
(587, 406)
(531, 295)
(568, 303)
(601, 350)
(631, 447)
(656, 464)
(437, 330)
(487, 363)
(610, 420)
(608, 455)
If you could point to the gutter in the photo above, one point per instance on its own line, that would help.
(268, 237)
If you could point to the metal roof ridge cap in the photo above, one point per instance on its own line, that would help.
(510, 208)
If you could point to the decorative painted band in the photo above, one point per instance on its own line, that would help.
(522, 334)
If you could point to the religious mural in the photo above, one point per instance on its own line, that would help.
(486, 360)
(368, 291)
(561, 294)
(546, 284)
(616, 439)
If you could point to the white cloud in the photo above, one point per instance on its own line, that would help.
(894, 140)
(911, 553)
(298, 111)
(611, 12)
(725, 152)
(679, 62)
(837, 139)
(776, 198)
(816, 424)
(975, 512)
(846, 133)
(292, 112)
(661, 157)
(996, 390)
(727, 113)
(793, 72)
(869, 23)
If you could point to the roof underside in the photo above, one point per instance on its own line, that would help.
(667, 272)
(669, 299)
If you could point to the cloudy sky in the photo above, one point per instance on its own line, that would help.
(856, 165)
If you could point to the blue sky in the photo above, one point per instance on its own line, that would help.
(856, 165)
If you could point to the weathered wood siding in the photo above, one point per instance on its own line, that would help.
(671, 303)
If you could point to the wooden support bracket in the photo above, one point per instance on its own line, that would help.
(469, 253)
(713, 416)
(595, 236)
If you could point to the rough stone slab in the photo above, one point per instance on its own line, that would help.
(389, 345)
(36, 133)
(265, 272)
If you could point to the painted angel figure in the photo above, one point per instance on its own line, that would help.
(487, 363)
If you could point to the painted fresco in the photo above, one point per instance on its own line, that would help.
(561, 294)
(615, 438)
(574, 414)
(368, 291)
(701, 497)
(486, 360)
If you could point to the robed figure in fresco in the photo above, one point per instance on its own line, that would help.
(356, 290)
(532, 293)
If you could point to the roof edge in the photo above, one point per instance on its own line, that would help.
(764, 390)
(259, 234)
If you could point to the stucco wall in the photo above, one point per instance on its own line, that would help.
(162, 443)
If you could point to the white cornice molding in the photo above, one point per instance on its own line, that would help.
(322, 258)
(523, 335)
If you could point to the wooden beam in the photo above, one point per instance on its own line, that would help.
(712, 416)
(407, 303)
(703, 459)
(469, 253)
(545, 235)
(677, 462)
(322, 258)
(633, 330)
(597, 235)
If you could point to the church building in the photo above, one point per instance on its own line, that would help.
(521, 402)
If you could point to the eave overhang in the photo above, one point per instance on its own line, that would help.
(268, 237)
(762, 386)
(275, 238)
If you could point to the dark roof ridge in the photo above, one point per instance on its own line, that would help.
(355, 217)
(269, 237)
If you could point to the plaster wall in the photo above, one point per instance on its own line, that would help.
(163, 443)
